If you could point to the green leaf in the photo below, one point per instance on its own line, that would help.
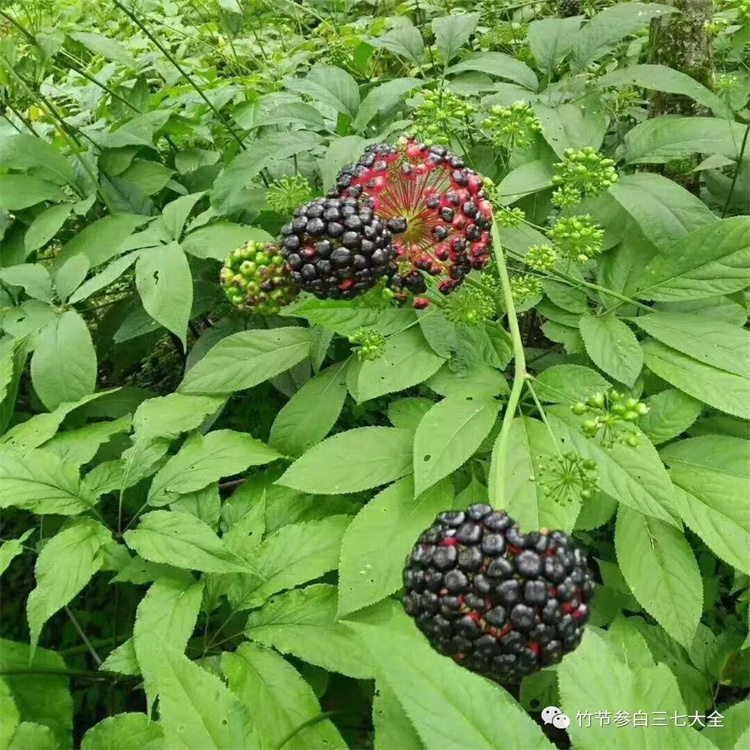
(231, 191)
(551, 40)
(112, 272)
(612, 347)
(662, 78)
(404, 40)
(329, 86)
(406, 361)
(595, 676)
(9, 716)
(570, 126)
(112, 49)
(184, 541)
(392, 725)
(10, 549)
(168, 611)
(635, 477)
(205, 459)
(246, 359)
(165, 285)
(148, 176)
(525, 499)
(32, 736)
(723, 390)
(340, 152)
(293, 555)
(406, 413)
(352, 461)
(392, 520)
(169, 416)
(19, 191)
(478, 380)
(311, 412)
(41, 482)
(710, 341)
(449, 435)
(609, 26)
(383, 98)
(63, 366)
(123, 731)
(530, 177)
(139, 131)
(495, 64)
(663, 139)
(661, 571)
(70, 274)
(204, 504)
(26, 152)
(41, 698)
(709, 262)
(191, 722)
(303, 623)
(34, 279)
(218, 240)
(64, 566)
(45, 226)
(278, 699)
(451, 32)
(569, 384)
(664, 210)
(123, 659)
(101, 240)
(671, 412)
(78, 447)
(450, 707)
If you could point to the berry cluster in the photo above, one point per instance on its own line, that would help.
(337, 248)
(568, 8)
(512, 126)
(499, 602)
(577, 237)
(541, 258)
(369, 344)
(510, 217)
(611, 414)
(470, 305)
(525, 288)
(440, 114)
(583, 172)
(286, 193)
(255, 279)
(434, 205)
(504, 34)
(569, 477)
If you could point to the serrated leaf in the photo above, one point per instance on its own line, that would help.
(165, 285)
(19, 191)
(392, 725)
(671, 412)
(448, 435)
(392, 520)
(42, 483)
(11, 548)
(246, 359)
(551, 40)
(175, 214)
(383, 98)
(124, 731)
(479, 379)
(569, 383)
(184, 541)
(278, 699)
(78, 447)
(449, 707)
(25, 152)
(404, 40)
(303, 623)
(70, 275)
(64, 566)
(451, 32)
(112, 272)
(9, 716)
(205, 459)
(406, 413)
(352, 461)
(101, 240)
(718, 388)
(495, 64)
(45, 226)
(311, 412)
(330, 86)
(612, 346)
(34, 279)
(661, 571)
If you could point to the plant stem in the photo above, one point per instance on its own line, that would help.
(72, 673)
(736, 171)
(304, 725)
(181, 70)
(83, 635)
(497, 480)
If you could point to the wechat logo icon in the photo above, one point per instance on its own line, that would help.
(553, 715)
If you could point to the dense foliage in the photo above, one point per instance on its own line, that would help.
(217, 450)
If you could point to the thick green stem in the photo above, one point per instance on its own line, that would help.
(497, 480)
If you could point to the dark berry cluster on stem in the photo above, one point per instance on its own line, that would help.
(434, 205)
(499, 602)
(337, 248)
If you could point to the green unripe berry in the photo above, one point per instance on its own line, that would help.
(586, 495)
(642, 409)
(579, 409)
(597, 400)
(633, 441)
(630, 416)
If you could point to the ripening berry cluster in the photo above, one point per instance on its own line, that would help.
(582, 173)
(440, 114)
(513, 126)
(612, 415)
(577, 237)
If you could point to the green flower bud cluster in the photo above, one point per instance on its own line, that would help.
(578, 238)
(714, 26)
(286, 193)
(726, 83)
(525, 288)
(569, 477)
(440, 114)
(369, 344)
(470, 305)
(256, 279)
(512, 126)
(743, 10)
(509, 217)
(504, 34)
(611, 414)
(583, 172)
(541, 258)
(337, 53)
